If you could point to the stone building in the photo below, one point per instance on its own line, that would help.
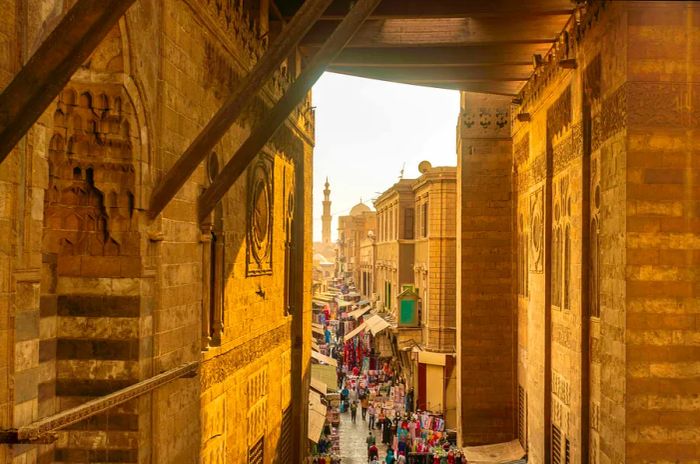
(394, 253)
(435, 280)
(368, 261)
(352, 230)
(160, 312)
(133, 253)
(578, 240)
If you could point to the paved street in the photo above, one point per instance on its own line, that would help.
(353, 447)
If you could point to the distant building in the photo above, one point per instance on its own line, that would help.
(395, 232)
(414, 279)
(352, 229)
(326, 227)
(435, 280)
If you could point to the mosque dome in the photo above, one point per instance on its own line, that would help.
(358, 209)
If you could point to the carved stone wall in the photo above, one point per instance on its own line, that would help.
(105, 297)
(485, 347)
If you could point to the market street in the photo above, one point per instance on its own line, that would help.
(353, 445)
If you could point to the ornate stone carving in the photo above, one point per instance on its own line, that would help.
(260, 216)
(521, 150)
(216, 370)
(92, 177)
(569, 148)
(539, 168)
(561, 387)
(537, 231)
(559, 114)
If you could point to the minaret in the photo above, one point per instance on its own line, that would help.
(326, 231)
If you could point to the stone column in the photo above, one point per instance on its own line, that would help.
(485, 316)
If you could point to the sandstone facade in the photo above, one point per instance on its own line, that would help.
(96, 297)
(578, 207)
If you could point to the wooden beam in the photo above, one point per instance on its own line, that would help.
(441, 56)
(232, 108)
(36, 430)
(291, 99)
(50, 68)
(446, 31)
(436, 74)
(407, 9)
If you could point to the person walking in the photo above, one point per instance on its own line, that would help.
(390, 459)
(364, 402)
(371, 413)
(371, 440)
(353, 411)
(387, 434)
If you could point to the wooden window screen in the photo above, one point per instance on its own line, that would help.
(256, 453)
(522, 417)
(556, 445)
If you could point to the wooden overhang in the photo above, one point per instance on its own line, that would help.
(474, 45)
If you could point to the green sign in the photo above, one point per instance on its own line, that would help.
(407, 312)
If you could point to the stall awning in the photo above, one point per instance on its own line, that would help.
(376, 324)
(326, 374)
(357, 330)
(319, 386)
(343, 303)
(317, 416)
(317, 329)
(359, 312)
(323, 358)
(363, 303)
(314, 345)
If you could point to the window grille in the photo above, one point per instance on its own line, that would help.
(256, 453)
(556, 445)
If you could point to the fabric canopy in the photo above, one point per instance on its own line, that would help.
(343, 303)
(323, 358)
(376, 324)
(357, 330)
(359, 312)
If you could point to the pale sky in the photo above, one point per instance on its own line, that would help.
(366, 131)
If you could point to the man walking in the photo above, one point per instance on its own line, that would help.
(353, 411)
(372, 416)
(364, 402)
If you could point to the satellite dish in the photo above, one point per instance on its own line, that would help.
(424, 167)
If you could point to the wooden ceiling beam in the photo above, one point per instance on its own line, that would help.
(262, 132)
(475, 55)
(517, 73)
(410, 9)
(50, 68)
(445, 32)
